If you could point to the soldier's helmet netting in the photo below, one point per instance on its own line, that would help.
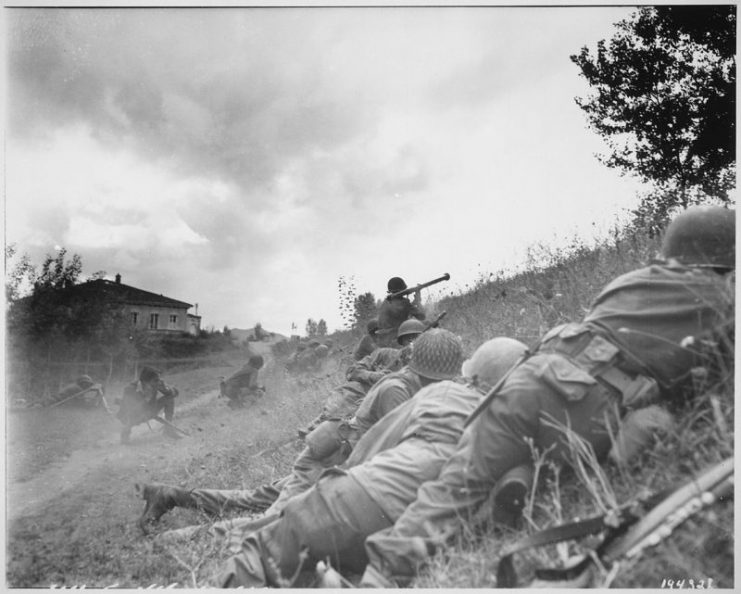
(396, 284)
(437, 355)
(410, 328)
(492, 360)
(702, 236)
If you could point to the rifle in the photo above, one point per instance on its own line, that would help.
(167, 423)
(94, 387)
(436, 322)
(419, 287)
(495, 390)
(628, 530)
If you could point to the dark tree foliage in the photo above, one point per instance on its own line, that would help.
(365, 309)
(664, 101)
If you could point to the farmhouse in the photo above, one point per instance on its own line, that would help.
(145, 310)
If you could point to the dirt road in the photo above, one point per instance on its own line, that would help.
(71, 503)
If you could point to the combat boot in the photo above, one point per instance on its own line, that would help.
(159, 499)
(510, 494)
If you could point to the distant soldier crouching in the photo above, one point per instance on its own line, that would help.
(141, 402)
(243, 383)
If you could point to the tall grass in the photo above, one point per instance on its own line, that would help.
(556, 288)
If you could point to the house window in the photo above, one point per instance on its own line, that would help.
(173, 321)
(134, 318)
(154, 320)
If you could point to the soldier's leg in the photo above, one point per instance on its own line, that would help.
(307, 468)
(331, 520)
(159, 499)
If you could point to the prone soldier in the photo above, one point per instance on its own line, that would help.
(636, 347)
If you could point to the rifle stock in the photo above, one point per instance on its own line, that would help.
(419, 287)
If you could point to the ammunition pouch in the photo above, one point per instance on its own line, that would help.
(599, 359)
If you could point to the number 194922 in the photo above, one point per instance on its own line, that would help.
(690, 584)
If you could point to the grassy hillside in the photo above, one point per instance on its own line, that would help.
(557, 288)
(87, 534)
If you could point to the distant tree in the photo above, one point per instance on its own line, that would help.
(665, 101)
(20, 274)
(311, 328)
(97, 275)
(56, 273)
(364, 309)
(226, 331)
(321, 328)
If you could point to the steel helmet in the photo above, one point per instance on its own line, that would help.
(492, 360)
(148, 374)
(372, 326)
(702, 236)
(322, 350)
(437, 355)
(410, 328)
(256, 361)
(396, 284)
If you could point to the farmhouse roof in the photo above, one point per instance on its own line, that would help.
(117, 291)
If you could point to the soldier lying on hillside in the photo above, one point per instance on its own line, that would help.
(141, 402)
(407, 447)
(637, 346)
(82, 390)
(363, 374)
(328, 445)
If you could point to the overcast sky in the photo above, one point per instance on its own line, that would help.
(245, 159)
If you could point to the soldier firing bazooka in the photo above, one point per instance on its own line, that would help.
(405, 448)
(396, 308)
(243, 384)
(636, 349)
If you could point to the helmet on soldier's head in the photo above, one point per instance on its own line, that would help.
(149, 374)
(492, 360)
(256, 361)
(702, 236)
(322, 350)
(437, 355)
(409, 328)
(372, 326)
(396, 284)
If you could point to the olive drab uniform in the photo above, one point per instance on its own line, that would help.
(361, 376)
(331, 520)
(627, 353)
(392, 313)
(310, 463)
(241, 384)
(331, 442)
(141, 402)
